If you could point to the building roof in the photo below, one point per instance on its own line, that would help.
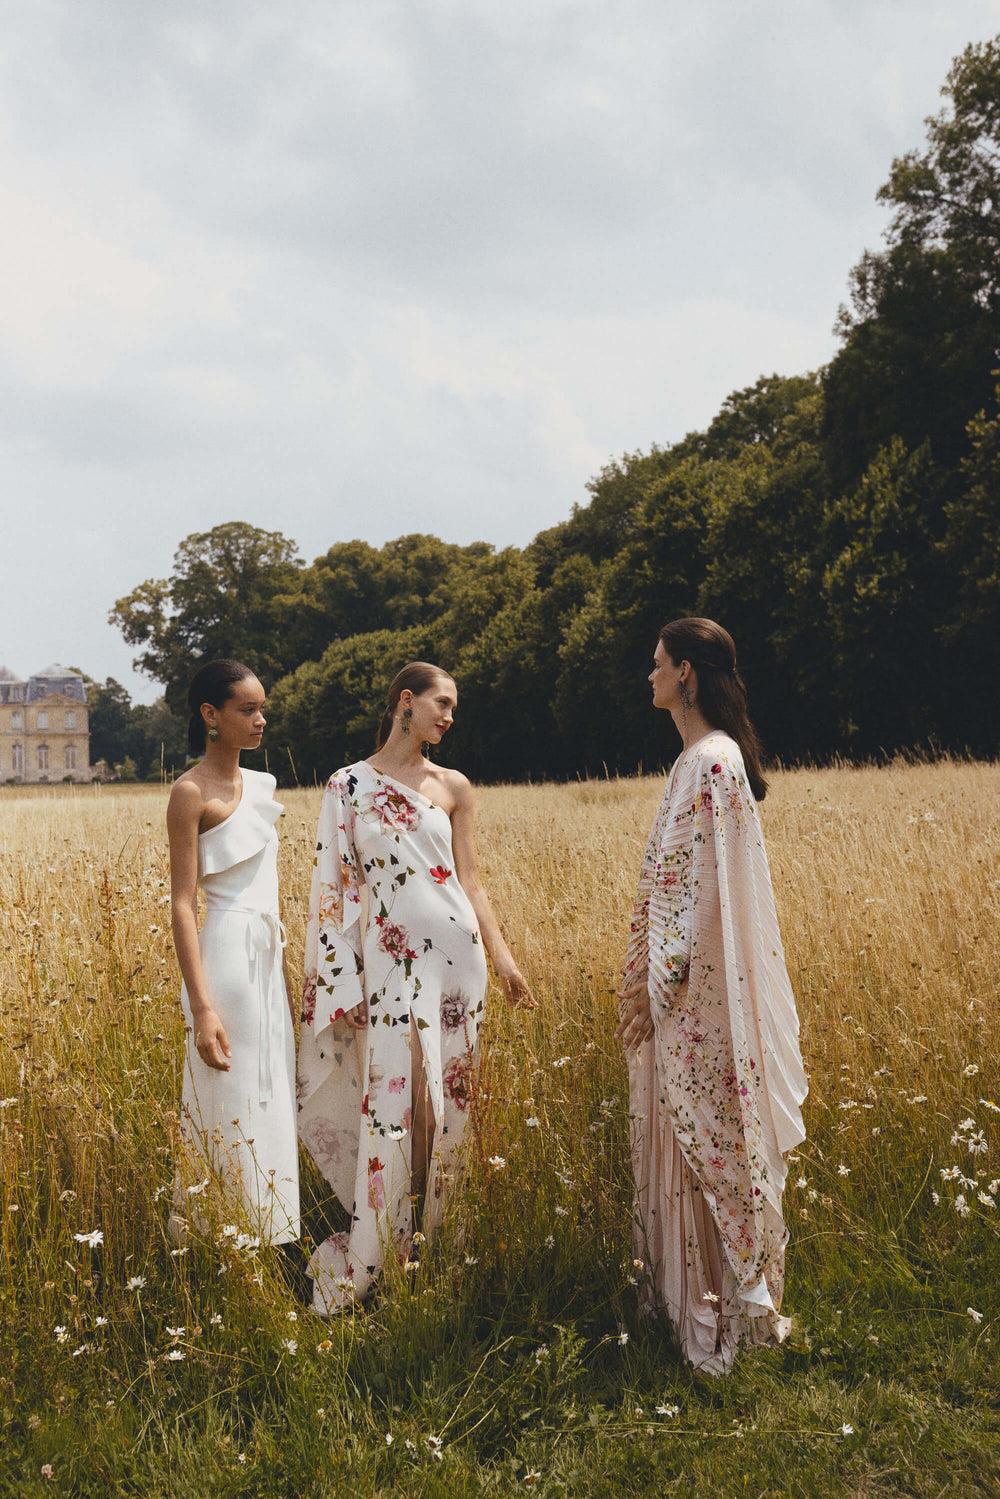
(54, 679)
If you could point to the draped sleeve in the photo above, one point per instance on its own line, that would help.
(333, 980)
(727, 1028)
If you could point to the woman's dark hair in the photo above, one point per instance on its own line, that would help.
(417, 677)
(214, 684)
(722, 695)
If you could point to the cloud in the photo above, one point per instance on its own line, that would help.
(412, 265)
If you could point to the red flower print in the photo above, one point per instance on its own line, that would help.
(394, 940)
(440, 874)
(717, 770)
(376, 1186)
(457, 1083)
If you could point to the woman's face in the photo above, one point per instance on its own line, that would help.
(432, 711)
(240, 721)
(664, 678)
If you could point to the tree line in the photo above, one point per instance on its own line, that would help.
(844, 525)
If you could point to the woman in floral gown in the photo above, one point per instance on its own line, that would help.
(709, 1023)
(395, 983)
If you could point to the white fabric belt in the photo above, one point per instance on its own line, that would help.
(265, 941)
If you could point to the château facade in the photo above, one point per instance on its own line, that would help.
(44, 731)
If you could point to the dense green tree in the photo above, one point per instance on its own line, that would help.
(885, 591)
(219, 601)
(923, 330)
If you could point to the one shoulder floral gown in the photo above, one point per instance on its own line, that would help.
(716, 1097)
(388, 921)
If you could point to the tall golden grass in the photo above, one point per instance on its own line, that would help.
(887, 883)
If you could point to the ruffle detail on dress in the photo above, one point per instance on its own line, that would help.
(246, 831)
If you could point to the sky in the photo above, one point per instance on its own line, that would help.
(363, 270)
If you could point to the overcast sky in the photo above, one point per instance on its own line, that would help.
(366, 269)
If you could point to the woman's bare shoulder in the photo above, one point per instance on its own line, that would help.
(187, 796)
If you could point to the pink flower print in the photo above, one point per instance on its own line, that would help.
(717, 1161)
(394, 940)
(397, 1084)
(376, 1186)
(440, 874)
(458, 1083)
(454, 1009)
(308, 998)
(395, 812)
(407, 1115)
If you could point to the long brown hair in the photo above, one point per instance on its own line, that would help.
(417, 677)
(722, 694)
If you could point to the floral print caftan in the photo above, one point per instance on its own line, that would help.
(715, 1098)
(390, 922)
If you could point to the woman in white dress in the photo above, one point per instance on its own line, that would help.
(238, 1108)
(395, 982)
(709, 1023)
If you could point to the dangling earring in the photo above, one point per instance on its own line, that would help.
(407, 715)
(684, 693)
(213, 733)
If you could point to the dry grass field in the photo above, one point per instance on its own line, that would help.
(517, 1345)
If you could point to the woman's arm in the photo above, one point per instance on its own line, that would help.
(512, 981)
(183, 817)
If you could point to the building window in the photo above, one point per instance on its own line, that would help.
(71, 757)
(43, 757)
(43, 718)
(15, 721)
(71, 718)
(15, 694)
(17, 760)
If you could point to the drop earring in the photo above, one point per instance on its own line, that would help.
(213, 733)
(407, 715)
(684, 693)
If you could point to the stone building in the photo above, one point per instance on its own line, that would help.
(44, 734)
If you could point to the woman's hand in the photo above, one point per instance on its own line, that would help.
(210, 1040)
(358, 1016)
(516, 990)
(636, 1024)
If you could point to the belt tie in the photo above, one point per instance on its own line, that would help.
(265, 940)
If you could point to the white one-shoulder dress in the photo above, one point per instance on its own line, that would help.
(244, 1120)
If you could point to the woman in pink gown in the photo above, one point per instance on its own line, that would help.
(709, 1023)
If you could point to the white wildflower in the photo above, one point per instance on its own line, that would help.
(550, 1242)
(290, 1344)
(136, 1283)
(197, 1190)
(562, 1212)
(961, 1206)
(62, 1336)
(560, 1061)
(175, 1355)
(497, 1162)
(622, 1338)
(94, 1238)
(668, 1410)
(970, 1070)
(533, 1122)
(847, 1430)
(541, 1353)
(843, 1170)
(986, 1200)
(977, 1317)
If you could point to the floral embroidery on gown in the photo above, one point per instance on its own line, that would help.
(716, 1098)
(389, 921)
